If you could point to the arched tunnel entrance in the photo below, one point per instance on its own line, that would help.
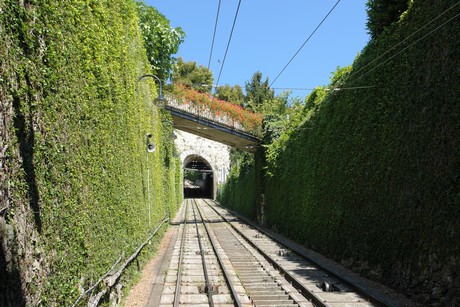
(198, 178)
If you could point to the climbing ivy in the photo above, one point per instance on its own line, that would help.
(370, 175)
(77, 170)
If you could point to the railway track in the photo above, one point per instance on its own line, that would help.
(219, 260)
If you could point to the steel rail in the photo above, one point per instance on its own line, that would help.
(372, 298)
(288, 276)
(239, 235)
(181, 259)
(208, 284)
(221, 262)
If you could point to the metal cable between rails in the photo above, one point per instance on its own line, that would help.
(375, 299)
(301, 288)
(221, 263)
(238, 235)
(208, 284)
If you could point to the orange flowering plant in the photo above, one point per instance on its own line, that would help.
(218, 110)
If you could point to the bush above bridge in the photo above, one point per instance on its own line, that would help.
(219, 110)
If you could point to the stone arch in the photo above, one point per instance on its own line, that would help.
(201, 181)
(189, 153)
(216, 154)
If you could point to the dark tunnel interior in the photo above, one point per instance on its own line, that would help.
(198, 178)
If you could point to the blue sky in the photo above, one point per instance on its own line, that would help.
(267, 34)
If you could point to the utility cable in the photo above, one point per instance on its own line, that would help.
(386, 52)
(305, 42)
(228, 44)
(214, 35)
(293, 88)
(405, 48)
(325, 88)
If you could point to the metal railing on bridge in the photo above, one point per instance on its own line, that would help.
(179, 104)
(209, 110)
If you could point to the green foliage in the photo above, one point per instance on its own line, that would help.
(193, 76)
(382, 13)
(238, 193)
(339, 77)
(258, 92)
(77, 141)
(315, 98)
(216, 109)
(380, 159)
(192, 175)
(160, 40)
(370, 174)
(233, 94)
(285, 119)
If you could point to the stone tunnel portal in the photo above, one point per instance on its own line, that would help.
(198, 178)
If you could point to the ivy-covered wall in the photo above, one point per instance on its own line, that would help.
(74, 170)
(243, 189)
(371, 176)
(238, 193)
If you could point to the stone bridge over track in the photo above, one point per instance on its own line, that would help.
(204, 123)
(203, 145)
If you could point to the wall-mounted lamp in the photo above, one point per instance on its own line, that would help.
(150, 146)
(160, 101)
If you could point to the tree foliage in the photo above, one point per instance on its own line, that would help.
(161, 41)
(258, 92)
(382, 13)
(315, 98)
(232, 94)
(192, 75)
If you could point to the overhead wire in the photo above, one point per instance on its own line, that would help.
(214, 34)
(353, 73)
(305, 42)
(228, 44)
(293, 88)
(309, 37)
(399, 52)
(325, 88)
(286, 88)
(385, 53)
(405, 39)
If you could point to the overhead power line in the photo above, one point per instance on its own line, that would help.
(325, 88)
(228, 43)
(399, 52)
(294, 88)
(401, 42)
(305, 42)
(214, 35)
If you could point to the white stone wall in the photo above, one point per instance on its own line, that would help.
(217, 154)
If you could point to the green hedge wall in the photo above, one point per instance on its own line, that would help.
(76, 167)
(372, 177)
(238, 193)
(243, 189)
